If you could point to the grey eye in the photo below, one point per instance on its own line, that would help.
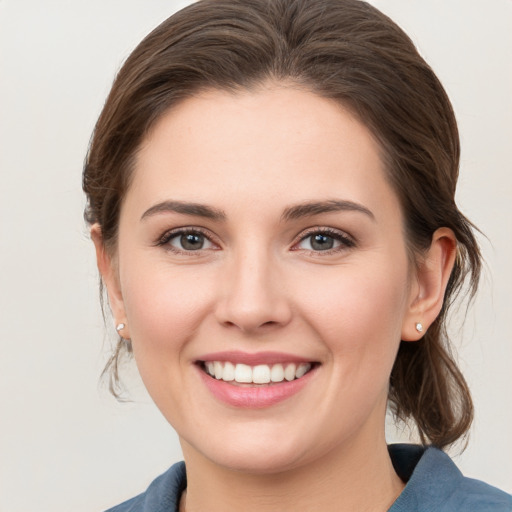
(319, 242)
(190, 241)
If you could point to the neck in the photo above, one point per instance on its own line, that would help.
(359, 476)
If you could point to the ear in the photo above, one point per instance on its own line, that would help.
(107, 266)
(429, 284)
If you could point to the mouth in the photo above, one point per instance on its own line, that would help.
(255, 381)
(240, 374)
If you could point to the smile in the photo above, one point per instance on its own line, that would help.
(255, 381)
(259, 374)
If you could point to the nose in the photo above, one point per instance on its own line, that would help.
(253, 295)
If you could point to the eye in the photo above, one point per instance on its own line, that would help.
(186, 240)
(319, 242)
(324, 240)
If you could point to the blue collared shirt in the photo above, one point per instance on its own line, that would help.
(434, 484)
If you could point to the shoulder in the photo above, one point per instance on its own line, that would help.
(435, 483)
(163, 494)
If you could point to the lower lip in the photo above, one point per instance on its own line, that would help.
(257, 396)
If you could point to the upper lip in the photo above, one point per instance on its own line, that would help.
(253, 359)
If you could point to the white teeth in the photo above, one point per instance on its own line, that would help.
(289, 371)
(259, 374)
(243, 373)
(277, 373)
(218, 369)
(302, 369)
(229, 372)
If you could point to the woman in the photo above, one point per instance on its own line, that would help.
(271, 196)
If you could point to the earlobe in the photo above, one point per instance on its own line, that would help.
(431, 278)
(109, 275)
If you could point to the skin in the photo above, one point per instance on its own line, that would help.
(259, 285)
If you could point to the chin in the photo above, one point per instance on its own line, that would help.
(255, 451)
(259, 462)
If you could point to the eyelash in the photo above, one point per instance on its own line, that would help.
(175, 233)
(346, 242)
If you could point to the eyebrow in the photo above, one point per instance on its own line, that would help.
(291, 213)
(318, 207)
(195, 209)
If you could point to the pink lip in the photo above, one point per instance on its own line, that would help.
(255, 396)
(235, 357)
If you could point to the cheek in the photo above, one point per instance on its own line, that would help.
(359, 311)
(164, 306)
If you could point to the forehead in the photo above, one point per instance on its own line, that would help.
(277, 142)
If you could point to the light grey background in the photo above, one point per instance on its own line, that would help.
(65, 445)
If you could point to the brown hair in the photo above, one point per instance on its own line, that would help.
(341, 49)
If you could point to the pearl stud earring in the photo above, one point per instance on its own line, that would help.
(419, 327)
(126, 341)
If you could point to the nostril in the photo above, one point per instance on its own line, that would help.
(250, 312)
(247, 327)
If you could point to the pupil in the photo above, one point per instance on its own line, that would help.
(322, 242)
(192, 242)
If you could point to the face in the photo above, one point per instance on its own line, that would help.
(260, 241)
